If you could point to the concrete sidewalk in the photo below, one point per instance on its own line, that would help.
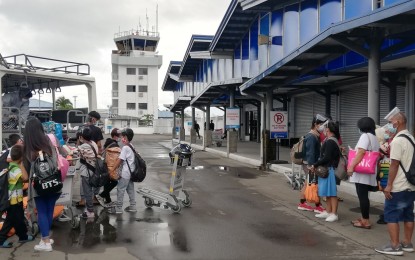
(249, 152)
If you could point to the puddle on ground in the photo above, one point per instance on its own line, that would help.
(195, 168)
(224, 168)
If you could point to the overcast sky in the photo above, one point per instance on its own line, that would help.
(83, 31)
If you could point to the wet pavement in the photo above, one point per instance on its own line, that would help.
(238, 212)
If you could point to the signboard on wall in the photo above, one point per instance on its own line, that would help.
(232, 118)
(279, 124)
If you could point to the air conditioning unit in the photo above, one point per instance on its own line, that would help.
(140, 94)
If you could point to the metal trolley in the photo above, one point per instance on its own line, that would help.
(181, 156)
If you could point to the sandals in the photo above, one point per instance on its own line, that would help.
(6, 244)
(361, 225)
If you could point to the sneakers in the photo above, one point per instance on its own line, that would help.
(390, 250)
(407, 247)
(88, 214)
(332, 217)
(323, 214)
(114, 210)
(319, 209)
(42, 246)
(100, 200)
(304, 206)
(130, 209)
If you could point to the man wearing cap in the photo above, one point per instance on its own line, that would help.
(399, 193)
(18, 99)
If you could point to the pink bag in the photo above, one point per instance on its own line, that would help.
(63, 164)
(368, 163)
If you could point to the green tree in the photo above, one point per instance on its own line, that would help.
(147, 120)
(63, 103)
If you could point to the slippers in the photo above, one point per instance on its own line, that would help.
(361, 225)
(356, 221)
(29, 238)
(339, 199)
(79, 204)
(6, 244)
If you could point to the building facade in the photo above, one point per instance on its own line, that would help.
(135, 66)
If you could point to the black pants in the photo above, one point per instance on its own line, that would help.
(15, 219)
(108, 187)
(362, 191)
(197, 132)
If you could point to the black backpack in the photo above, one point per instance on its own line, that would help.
(410, 174)
(4, 182)
(100, 175)
(140, 171)
(46, 177)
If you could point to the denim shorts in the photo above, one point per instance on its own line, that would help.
(400, 208)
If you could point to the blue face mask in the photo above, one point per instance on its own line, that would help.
(386, 137)
(391, 129)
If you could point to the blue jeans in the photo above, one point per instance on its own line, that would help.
(124, 184)
(400, 208)
(45, 206)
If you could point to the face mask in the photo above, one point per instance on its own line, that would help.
(320, 128)
(25, 99)
(386, 137)
(391, 129)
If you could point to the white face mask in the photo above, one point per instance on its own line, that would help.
(25, 99)
(320, 129)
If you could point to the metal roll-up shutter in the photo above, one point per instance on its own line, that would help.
(333, 109)
(303, 113)
(384, 104)
(400, 98)
(319, 105)
(353, 106)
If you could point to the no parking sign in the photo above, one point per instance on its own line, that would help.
(278, 124)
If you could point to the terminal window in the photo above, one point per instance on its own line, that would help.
(131, 71)
(142, 106)
(130, 88)
(142, 71)
(130, 106)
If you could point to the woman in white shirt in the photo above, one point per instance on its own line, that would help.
(364, 182)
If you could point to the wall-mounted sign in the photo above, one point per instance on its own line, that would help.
(232, 118)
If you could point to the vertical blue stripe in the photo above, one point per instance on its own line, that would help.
(264, 25)
(237, 52)
(308, 20)
(330, 12)
(253, 50)
(245, 47)
(356, 8)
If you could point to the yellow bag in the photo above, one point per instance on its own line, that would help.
(111, 156)
(311, 193)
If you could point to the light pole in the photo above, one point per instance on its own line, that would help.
(74, 103)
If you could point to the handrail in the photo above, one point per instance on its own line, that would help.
(61, 68)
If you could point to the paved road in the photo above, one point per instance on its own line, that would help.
(238, 212)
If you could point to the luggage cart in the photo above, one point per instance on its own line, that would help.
(181, 155)
(296, 177)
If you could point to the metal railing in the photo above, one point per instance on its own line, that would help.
(141, 32)
(26, 62)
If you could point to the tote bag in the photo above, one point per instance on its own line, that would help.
(368, 164)
(311, 193)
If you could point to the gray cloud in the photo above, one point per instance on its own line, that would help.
(83, 31)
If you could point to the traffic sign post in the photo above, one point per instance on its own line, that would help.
(278, 127)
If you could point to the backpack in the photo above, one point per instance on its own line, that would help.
(4, 181)
(296, 153)
(341, 169)
(46, 177)
(99, 176)
(140, 171)
(410, 174)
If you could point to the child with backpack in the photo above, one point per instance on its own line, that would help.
(88, 149)
(127, 159)
(17, 175)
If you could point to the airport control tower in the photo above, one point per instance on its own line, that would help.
(135, 66)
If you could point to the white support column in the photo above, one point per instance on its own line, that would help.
(261, 130)
(1, 102)
(374, 79)
(53, 99)
(92, 96)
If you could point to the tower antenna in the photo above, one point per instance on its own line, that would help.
(157, 18)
